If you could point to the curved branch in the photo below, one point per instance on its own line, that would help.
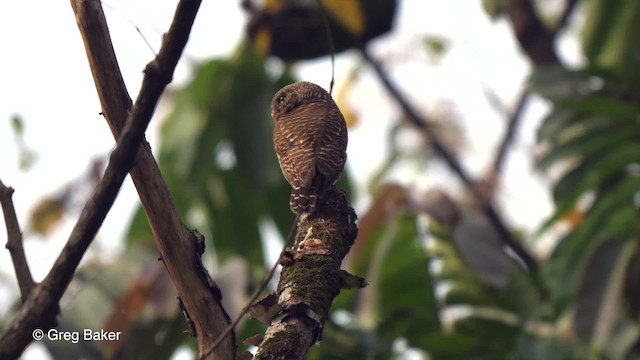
(179, 247)
(14, 243)
(452, 162)
(563, 19)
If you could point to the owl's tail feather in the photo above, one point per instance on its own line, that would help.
(303, 200)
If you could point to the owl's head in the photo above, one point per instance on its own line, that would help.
(294, 95)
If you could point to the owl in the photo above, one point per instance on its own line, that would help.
(310, 139)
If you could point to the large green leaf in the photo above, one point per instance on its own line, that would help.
(217, 154)
(408, 306)
(399, 301)
(609, 38)
(610, 215)
(599, 296)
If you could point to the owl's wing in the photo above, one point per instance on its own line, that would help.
(280, 141)
(294, 148)
(332, 149)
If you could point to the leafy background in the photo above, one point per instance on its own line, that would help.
(441, 285)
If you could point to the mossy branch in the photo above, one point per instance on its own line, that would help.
(311, 278)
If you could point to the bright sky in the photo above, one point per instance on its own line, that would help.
(44, 77)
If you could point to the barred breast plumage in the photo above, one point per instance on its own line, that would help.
(310, 139)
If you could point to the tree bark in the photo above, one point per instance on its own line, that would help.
(311, 278)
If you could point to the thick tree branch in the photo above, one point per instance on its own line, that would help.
(40, 309)
(14, 243)
(451, 161)
(44, 298)
(311, 278)
(179, 248)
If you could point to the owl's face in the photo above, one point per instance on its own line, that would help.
(294, 95)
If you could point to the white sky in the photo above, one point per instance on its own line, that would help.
(44, 77)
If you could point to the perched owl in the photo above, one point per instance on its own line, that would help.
(310, 138)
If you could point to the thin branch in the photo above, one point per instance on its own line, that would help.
(47, 294)
(256, 294)
(40, 309)
(510, 131)
(452, 162)
(14, 243)
(494, 101)
(332, 51)
(569, 6)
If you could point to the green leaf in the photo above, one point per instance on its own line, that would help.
(608, 106)
(495, 8)
(609, 38)
(481, 248)
(17, 124)
(597, 302)
(556, 82)
(587, 145)
(595, 171)
(408, 306)
(612, 215)
(399, 301)
(218, 158)
(496, 340)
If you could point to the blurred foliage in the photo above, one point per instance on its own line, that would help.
(441, 285)
(591, 138)
(296, 30)
(48, 213)
(26, 156)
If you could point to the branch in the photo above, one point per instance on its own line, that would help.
(40, 309)
(507, 139)
(311, 278)
(452, 162)
(180, 249)
(534, 38)
(564, 16)
(14, 243)
(46, 295)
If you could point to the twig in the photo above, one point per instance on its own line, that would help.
(36, 311)
(332, 51)
(510, 131)
(179, 248)
(564, 16)
(534, 38)
(14, 243)
(49, 292)
(256, 294)
(452, 162)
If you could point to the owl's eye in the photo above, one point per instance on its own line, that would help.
(281, 99)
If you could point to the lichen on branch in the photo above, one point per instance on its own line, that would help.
(311, 278)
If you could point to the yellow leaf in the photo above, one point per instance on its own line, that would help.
(271, 4)
(348, 13)
(262, 41)
(573, 218)
(46, 215)
(350, 116)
